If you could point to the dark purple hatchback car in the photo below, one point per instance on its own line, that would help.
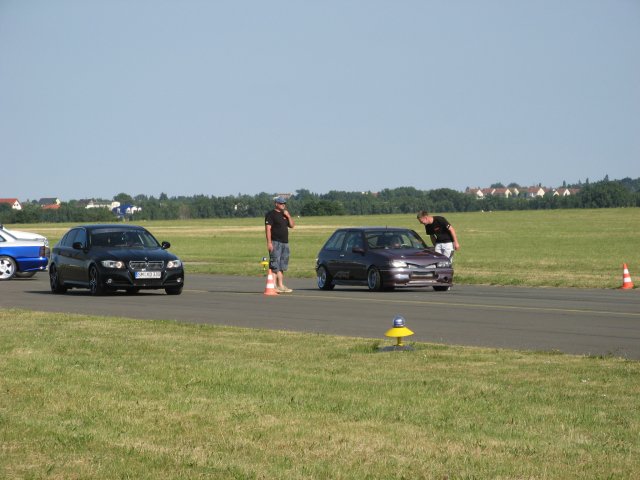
(381, 258)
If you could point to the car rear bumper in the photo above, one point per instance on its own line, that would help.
(38, 264)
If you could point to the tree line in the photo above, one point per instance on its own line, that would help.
(602, 194)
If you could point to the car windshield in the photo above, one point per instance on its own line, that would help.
(111, 238)
(394, 239)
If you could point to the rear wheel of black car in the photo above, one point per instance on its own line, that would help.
(173, 290)
(325, 280)
(95, 285)
(7, 267)
(374, 280)
(55, 281)
(442, 288)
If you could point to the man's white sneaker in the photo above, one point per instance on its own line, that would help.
(284, 289)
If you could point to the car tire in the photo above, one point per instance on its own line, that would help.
(7, 268)
(374, 279)
(56, 283)
(25, 274)
(95, 286)
(173, 290)
(324, 279)
(441, 288)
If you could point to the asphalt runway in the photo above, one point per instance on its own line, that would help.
(588, 322)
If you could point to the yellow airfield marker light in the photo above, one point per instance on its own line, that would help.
(265, 263)
(399, 331)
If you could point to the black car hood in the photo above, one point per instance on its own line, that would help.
(128, 254)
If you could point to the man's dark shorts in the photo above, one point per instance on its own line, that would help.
(279, 257)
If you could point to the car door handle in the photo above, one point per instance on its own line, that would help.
(342, 255)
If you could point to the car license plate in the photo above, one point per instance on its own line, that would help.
(147, 274)
(423, 275)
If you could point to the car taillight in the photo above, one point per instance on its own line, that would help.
(43, 251)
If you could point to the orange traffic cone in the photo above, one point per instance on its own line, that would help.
(626, 278)
(271, 286)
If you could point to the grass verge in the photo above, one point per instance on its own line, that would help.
(95, 397)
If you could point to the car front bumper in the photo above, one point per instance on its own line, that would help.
(410, 277)
(126, 279)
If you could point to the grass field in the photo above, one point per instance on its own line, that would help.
(91, 398)
(569, 248)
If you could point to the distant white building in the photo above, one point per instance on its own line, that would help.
(110, 206)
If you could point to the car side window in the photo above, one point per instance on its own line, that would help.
(336, 241)
(354, 239)
(81, 236)
(63, 240)
(68, 239)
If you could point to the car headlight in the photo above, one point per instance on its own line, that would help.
(174, 264)
(398, 263)
(444, 264)
(112, 264)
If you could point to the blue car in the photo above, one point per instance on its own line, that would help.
(20, 257)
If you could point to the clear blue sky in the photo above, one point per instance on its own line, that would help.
(221, 98)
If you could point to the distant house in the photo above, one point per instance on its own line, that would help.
(49, 201)
(480, 193)
(14, 202)
(533, 192)
(51, 206)
(476, 192)
(565, 192)
(502, 192)
(515, 192)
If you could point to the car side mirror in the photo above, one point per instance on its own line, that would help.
(77, 246)
(357, 250)
(165, 245)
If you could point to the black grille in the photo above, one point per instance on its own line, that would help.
(138, 265)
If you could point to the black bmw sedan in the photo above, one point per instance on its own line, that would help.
(105, 258)
(381, 258)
